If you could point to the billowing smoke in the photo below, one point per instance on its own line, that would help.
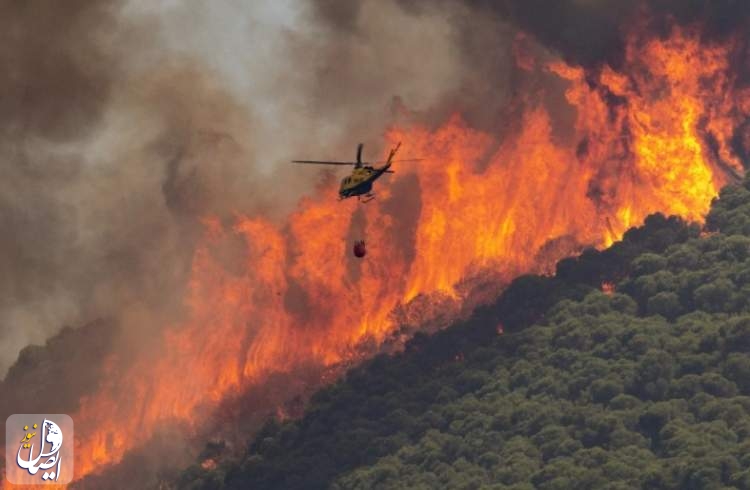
(57, 80)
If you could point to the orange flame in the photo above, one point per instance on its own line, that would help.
(639, 143)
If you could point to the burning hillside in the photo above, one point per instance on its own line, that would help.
(581, 153)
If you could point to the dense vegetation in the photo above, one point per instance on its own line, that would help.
(646, 387)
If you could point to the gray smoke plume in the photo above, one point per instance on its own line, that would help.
(55, 83)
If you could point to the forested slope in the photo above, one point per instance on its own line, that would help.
(645, 386)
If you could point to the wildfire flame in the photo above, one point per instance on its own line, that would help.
(654, 135)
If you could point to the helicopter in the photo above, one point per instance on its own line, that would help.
(364, 174)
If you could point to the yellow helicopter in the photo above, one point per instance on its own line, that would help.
(364, 174)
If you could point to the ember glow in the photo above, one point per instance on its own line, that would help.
(653, 135)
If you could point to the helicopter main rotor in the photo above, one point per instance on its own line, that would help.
(358, 164)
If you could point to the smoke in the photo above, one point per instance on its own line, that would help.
(55, 89)
(591, 32)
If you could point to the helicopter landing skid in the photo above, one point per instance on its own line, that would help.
(368, 198)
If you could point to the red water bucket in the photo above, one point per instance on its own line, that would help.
(359, 249)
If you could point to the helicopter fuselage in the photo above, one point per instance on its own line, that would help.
(360, 181)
